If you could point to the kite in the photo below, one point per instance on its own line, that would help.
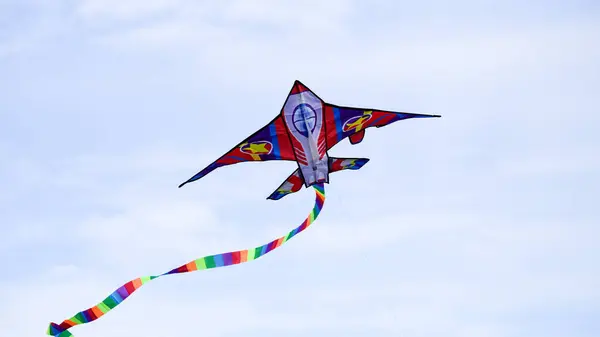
(303, 132)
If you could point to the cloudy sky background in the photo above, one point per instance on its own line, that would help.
(481, 223)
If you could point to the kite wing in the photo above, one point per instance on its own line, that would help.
(342, 122)
(294, 182)
(272, 142)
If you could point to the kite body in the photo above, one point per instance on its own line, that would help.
(304, 130)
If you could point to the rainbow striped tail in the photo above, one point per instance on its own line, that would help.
(207, 262)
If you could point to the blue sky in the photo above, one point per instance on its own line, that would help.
(481, 223)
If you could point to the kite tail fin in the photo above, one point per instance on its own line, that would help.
(207, 262)
(294, 182)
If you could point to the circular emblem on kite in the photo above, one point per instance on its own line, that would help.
(259, 147)
(349, 164)
(304, 118)
(356, 123)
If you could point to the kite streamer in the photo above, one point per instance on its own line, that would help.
(207, 262)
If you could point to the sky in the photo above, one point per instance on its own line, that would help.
(481, 223)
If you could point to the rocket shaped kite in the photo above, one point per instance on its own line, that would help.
(304, 131)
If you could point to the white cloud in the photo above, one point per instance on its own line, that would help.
(559, 162)
(317, 17)
(387, 306)
(124, 9)
(232, 51)
(36, 26)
